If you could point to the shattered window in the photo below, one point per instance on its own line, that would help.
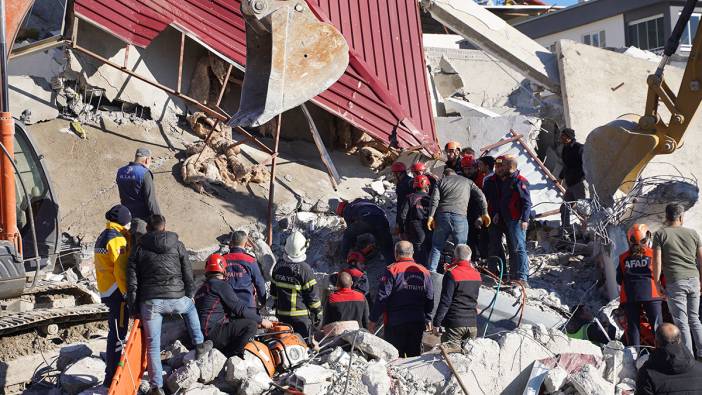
(45, 20)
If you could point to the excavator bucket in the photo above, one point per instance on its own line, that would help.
(291, 57)
(615, 154)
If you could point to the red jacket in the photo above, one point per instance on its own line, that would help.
(459, 296)
(635, 275)
(405, 295)
(346, 305)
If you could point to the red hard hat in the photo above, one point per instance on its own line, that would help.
(638, 233)
(418, 166)
(216, 264)
(341, 207)
(421, 182)
(398, 167)
(452, 145)
(467, 161)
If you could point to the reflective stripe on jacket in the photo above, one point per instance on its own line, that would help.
(111, 255)
(290, 280)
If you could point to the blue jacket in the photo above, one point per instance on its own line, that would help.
(405, 294)
(136, 190)
(403, 189)
(245, 277)
(510, 198)
(364, 210)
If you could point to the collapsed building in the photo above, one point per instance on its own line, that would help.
(176, 79)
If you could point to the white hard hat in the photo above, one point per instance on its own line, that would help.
(296, 246)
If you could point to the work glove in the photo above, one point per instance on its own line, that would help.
(485, 220)
(317, 318)
(430, 223)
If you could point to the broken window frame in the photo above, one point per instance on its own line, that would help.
(55, 39)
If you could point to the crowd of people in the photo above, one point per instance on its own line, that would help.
(444, 224)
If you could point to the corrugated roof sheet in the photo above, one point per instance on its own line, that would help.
(384, 91)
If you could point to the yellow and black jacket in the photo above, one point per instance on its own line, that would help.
(111, 254)
(294, 289)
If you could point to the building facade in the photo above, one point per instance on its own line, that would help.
(645, 24)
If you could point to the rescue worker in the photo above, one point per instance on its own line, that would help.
(450, 205)
(457, 310)
(294, 288)
(470, 171)
(469, 167)
(414, 214)
(486, 165)
(225, 319)
(356, 268)
(403, 188)
(573, 177)
(420, 169)
(135, 183)
(582, 326)
(468, 151)
(453, 156)
(111, 255)
(405, 300)
(638, 289)
(363, 216)
(509, 203)
(160, 282)
(243, 273)
(346, 304)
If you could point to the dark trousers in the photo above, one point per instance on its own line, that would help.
(379, 228)
(474, 235)
(118, 323)
(633, 315)
(407, 338)
(420, 237)
(231, 337)
(301, 326)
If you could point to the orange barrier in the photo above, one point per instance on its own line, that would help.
(132, 365)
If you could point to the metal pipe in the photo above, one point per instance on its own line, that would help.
(538, 161)
(271, 189)
(7, 181)
(3, 60)
(224, 85)
(180, 61)
(453, 370)
(326, 159)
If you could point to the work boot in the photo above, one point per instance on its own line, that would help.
(203, 348)
(156, 391)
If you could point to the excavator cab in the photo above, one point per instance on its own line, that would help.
(291, 57)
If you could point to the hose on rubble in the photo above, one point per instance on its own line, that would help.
(491, 306)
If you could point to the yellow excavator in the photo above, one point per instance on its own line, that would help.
(630, 142)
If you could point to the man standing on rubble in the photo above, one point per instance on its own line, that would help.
(160, 282)
(573, 176)
(244, 274)
(294, 289)
(225, 319)
(406, 300)
(346, 304)
(414, 214)
(420, 169)
(509, 201)
(403, 188)
(457, 311)
(448, 215)
(470, 171)
(677, 253)
(363, 216)
(671, 368)
(111, 254)
(453, 156)
(136, 186)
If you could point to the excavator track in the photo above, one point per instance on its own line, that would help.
(36, 318)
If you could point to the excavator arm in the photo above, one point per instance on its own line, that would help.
(643, 138)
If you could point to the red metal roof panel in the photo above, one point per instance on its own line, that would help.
(384, 91)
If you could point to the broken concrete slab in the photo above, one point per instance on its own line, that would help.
(71, 354)
(183, 378)
(32, 99)
(555, 378)
(589, 381)
(494, 35)
(204, 390)
(376, 378)
(372, 345)
(311, 379)
(467, 109)
(84, 374)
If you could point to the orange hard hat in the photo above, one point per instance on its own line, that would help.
(398, 167)
(216, 264)
(421, 182)
(418, 166)
(452, 145)
(467, 161)
(638, 233)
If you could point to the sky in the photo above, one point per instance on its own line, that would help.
(563, 2)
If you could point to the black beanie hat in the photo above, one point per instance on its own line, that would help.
(119, 214)
(568, 132)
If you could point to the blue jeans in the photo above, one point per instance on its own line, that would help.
(516, 243)
(152, 312)
(684, 306)
(447, 224)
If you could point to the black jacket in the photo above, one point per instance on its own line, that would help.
(217, 303)
(670, 370)
(347, 305)
(415, 208)
(572, 156)
(403, 189)
(294, 289)
(159, 268)
(459, 297)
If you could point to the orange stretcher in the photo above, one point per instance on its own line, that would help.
(132, 364)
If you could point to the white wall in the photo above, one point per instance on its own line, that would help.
(613, 26)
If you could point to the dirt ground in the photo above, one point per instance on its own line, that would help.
(83, 173)
(14, 346)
